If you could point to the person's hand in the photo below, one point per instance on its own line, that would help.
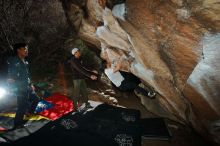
(95, 71)
(32, 88)
(105, 54)
(93, 77)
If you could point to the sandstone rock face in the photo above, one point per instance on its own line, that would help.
(173, 46)
(87, 33)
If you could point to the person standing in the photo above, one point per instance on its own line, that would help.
(79, 74)
(19, 79)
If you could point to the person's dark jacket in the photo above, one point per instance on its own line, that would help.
(78, 70)
(19, 72)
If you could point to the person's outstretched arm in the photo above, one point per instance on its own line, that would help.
(82, 70)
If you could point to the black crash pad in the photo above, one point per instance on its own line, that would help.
(155, 128)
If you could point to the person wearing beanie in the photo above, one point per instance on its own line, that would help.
(79, 74)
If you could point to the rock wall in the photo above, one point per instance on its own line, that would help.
(173, 46)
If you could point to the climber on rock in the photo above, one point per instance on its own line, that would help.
(124, 81)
